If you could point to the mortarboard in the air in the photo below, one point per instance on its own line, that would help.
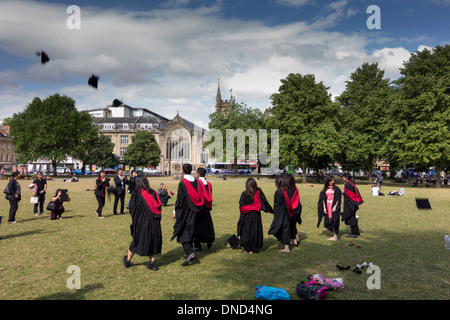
(234, 241)
(423, 203)
(93, 81)
(44, 57)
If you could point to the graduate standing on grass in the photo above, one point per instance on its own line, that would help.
(329, 207)
(205, 226)
(187, 206)
(145, 211)
(287, 211)
(352, 201)
(249, 226)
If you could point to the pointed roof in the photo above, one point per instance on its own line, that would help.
(218, 96)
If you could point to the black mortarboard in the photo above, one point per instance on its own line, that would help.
(93, 81)
(234, 241)
(44, 57)
(423, 203)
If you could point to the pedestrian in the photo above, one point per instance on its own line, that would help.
(41, 185)
(119, 194)
(329, 207)
(14, 196)
(352, 201)
(163, 194)
(189, 202)
(286, 213)
(101, 185)
(204, 224)
(249, 226)
(132, 185)
(145, 211)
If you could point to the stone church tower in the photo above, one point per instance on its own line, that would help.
(222, 106)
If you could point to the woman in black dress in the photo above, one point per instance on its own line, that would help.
(329, 207)
(101, 185)
(249, 226)
(59, 208)
(145, 211)
(287, 211)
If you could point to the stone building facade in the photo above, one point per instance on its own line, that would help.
(179, 140)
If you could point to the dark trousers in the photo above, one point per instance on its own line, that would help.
(188, 247)
(13, 206)
(101, 204)
(116, 202)
(41, 200)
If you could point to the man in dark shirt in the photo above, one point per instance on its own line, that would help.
(41, 184)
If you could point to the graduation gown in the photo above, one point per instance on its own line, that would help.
(249, 226)
(204, 224)
(352, 201)
(145, 211)
(189, 203)
(287, 211)
(333, 223)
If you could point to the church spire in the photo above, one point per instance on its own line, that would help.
(218, 96)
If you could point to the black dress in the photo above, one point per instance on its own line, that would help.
(249, 226)
(333, 223)
(283, 226)
(204, 224)
(186, 214)
(352, 201)
(145, 226)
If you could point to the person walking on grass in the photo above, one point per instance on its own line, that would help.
(101, 185)
(14, 196)
(145, 211)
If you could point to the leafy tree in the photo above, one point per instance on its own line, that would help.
(48, 129)
(96, 149)
(418, 132)
(308, 122)
(238, 119)
(143, 151)
(363, 107)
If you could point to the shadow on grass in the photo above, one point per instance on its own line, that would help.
(72, 294)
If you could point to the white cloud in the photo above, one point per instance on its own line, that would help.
(169, 60)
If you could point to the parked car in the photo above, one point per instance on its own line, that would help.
(151, 171)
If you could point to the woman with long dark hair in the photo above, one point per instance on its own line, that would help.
(145, 211)
(329, 206)
(287, 211)
(249, 226)
(101, 185)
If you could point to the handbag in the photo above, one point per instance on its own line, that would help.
(271, 293)
(7, 191)
(51, 206)
(311, 290)
(34, 200)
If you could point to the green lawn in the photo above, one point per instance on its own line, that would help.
(405, 243)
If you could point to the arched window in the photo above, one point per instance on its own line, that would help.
(178, 145)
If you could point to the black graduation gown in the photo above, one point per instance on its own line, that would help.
(249, 226)
(186, 212)
(284, 227)
(204, 223)
(145, 227)
(333, 224)
(350, 208)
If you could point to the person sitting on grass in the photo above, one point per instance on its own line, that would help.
(402, 192)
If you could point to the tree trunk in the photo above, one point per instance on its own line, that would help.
(438, 177)
(54, 168)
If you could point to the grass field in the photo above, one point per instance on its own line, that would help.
(407, 245)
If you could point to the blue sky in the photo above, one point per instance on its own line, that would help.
(167, 56)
